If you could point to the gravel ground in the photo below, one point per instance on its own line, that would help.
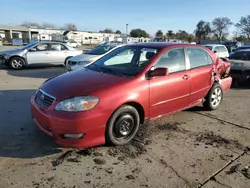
(193, 148)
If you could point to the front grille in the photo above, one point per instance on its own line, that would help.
(43, 99)
(72, 63)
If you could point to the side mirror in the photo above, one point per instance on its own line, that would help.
(32, 49)
(215, 51)
(159, 72)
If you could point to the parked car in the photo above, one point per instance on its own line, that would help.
(88, 57)
(241, 48)
(73, 43)
(240, 66)
(109, 99)
(218, 49)
(44, 52)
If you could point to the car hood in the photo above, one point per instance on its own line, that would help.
(12, 51)
(79, 83)
(84, 57)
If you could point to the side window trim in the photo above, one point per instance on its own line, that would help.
(188, 60)
(169, 49)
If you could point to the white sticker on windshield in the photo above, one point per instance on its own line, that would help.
(148, 50)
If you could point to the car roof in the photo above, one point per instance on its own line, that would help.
(160, 44)
(242, 50)
(213, 45)
(51, 41)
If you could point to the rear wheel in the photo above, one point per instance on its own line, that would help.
(123, 125)
(213, 98)
(17, 63)
(66, 60)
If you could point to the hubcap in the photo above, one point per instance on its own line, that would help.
(17, 63)
(216, 97)
(124, 126)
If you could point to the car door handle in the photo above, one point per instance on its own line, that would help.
(185, 77)
(46, 52)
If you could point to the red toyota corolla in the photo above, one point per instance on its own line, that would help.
(108, 100)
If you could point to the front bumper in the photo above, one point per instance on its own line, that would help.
(57, 124)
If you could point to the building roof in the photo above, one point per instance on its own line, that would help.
(14, 28)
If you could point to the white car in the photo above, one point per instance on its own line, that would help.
(88, 57)
(73, 44)
(218, 49)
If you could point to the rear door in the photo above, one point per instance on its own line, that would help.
(40, 54)
(58, 53)
(201, 72)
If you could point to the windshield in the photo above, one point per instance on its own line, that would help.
(209, 47)
(99, 50)
(124, 61)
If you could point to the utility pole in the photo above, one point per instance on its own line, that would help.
(126, 33)
(126, 29)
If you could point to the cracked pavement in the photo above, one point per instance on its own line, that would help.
(193, 148)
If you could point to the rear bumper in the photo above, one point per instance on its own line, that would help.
(226, 83)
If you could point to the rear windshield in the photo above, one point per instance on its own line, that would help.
(99, 50)
(209, 47)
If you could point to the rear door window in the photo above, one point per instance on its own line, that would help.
(198, 57)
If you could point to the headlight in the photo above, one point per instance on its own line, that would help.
(77, 104)
(83, 62)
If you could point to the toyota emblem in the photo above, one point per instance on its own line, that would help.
(42, 97)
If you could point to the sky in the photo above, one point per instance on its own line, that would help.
(95, 15)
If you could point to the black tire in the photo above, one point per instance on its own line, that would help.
(122, 125)
(66, 60)
(213, 98)
(16, 63)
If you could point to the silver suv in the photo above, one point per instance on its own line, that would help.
(38, 53)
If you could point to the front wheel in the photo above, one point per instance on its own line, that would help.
(123, 125)
(17, 63)
(213, 98)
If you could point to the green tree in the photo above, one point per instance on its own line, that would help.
(170, 34)
(202, 30)
(182, 35)
(159, 33)
(244, 26)
(107, 30)
(118, 32)
(138, 33)
(220, 27)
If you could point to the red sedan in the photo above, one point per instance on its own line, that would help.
(108, 100)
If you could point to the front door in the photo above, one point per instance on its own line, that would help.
(40, 54)
(201, 72)
(170, 93)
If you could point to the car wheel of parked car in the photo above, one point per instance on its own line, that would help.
(66, 60)
(213, 98)
(17, 63)
(123, 125)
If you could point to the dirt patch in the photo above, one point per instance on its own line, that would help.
(210, 138)
(238, 168)
(75, 156)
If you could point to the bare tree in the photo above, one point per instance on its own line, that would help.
(70, 26)
(48, 25)
(244, 26)
(220, 27)
(30, 24)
